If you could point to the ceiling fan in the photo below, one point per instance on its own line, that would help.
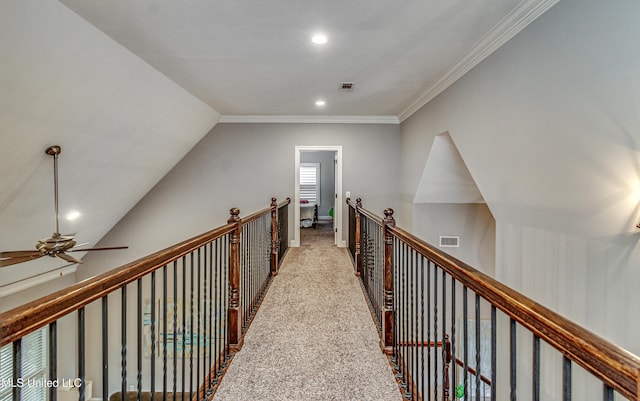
(57, 245)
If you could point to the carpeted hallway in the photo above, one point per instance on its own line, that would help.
(313, 337)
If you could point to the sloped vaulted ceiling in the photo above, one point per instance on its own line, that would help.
(122, 126)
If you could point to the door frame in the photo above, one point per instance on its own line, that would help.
(337, 210)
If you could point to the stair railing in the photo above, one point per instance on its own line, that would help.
(165, 325)
(429, 300)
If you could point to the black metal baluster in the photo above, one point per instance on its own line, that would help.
(211, 363)
(454, 367)
(536, 368)
(397, 256)
(409, 306)
(123, 341)
(191, 347)
(184, 325)
(403, 331)
(81, 355)
(435, 328)
(607, 393)
(406, 357)
(410, 337)
(414, 318)
(17, 370)
(494, 347)
(513, 358)
(53, 359)
(218, 319)
(444, 337)
(152, 362)
(203, 356)
(244, 267)
(198, 335)
(139, 327)
(478, 355)
(105, 349)
(423, 376)
(175, 330)
(465, 328)
(377, 272)
(225, 297)
(429, 373)
(164, 333)
(379, 266)
(566, 379)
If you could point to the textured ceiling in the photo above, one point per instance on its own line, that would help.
(256, 58)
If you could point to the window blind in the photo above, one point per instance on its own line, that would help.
(34, 367)
(310, 182)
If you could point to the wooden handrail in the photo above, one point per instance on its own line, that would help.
(255, 216)
(372, 216)
(283, 203)
(260, 213)
(22, 320)
(613, 365)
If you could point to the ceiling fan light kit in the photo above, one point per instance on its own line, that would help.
(57, 245)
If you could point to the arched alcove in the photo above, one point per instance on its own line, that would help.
(448, 203)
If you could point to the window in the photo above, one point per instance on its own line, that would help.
(310, 182)
(34, 367)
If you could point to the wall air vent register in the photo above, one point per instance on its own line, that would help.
(449, 241)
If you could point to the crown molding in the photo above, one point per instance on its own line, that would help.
(309, 119)
(527, 12)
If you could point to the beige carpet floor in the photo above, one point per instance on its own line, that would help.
(313, 337)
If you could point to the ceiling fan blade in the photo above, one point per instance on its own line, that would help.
(68, 258)
(18, 254)
(16, 260)
(109, 248)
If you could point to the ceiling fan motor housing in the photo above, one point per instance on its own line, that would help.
(51, 246)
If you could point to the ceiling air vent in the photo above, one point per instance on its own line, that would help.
(346, 86)
(448, 241)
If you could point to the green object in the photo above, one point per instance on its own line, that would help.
(460, 391)
(331, 212)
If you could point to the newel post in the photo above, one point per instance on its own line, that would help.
(274, 237)
(387, 319)
(234, 281)
(358, 256)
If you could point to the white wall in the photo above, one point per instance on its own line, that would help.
(242, 165)
(472, 222)
(548, 127)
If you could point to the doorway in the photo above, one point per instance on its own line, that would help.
(325, 205)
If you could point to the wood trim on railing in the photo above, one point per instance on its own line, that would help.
(474, 372)
(284, 203)
(372, 216)
(18, 322)
(613, 365)
(235, 325)
(255, 216)
(260, 213)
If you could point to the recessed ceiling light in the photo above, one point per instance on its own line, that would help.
(73, 215)
(320, 103)
(319, 39)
